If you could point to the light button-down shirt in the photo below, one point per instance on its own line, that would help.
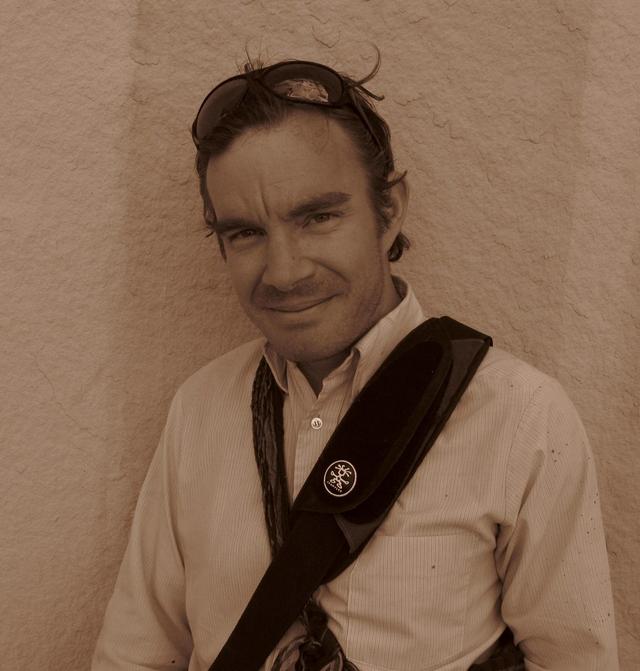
(500, 524)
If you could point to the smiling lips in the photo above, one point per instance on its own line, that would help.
(297, 307)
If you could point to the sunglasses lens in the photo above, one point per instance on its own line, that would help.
(306, 82)
(220, 101)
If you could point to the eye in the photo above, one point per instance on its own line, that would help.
(241, 239)
(321, 217)
(242, 234)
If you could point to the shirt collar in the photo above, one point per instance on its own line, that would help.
(373, 347)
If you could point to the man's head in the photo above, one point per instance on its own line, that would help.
(308, 210)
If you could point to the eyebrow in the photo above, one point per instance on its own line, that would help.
(320, 202)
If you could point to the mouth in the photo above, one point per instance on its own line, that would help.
(294, 308)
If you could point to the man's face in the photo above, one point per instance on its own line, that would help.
(303, 247)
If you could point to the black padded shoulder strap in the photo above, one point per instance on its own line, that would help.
(461, 350)
(381, 421)
(383, 438)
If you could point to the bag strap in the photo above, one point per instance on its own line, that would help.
(372, 454)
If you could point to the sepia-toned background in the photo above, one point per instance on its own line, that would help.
(519, 125)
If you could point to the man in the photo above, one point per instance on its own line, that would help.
(500, 525)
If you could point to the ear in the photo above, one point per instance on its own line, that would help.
(396, 212)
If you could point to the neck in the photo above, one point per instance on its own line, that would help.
(316, 371)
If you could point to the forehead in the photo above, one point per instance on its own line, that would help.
(305, 154)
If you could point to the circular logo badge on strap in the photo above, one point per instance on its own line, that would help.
(340, 478)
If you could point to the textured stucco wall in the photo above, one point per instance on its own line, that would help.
(519, 125)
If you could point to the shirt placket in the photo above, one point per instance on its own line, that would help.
(318, 420)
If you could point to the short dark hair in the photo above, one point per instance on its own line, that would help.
(260, 109)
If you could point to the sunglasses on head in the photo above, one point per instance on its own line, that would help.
(294, 81)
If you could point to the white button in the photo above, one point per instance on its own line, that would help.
(316, 423)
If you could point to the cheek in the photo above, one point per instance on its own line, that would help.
(244, 274)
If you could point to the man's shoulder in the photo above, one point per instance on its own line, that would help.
(515, 383)
(231, 372)
(499, 365)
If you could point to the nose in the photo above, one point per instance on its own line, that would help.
(286, 264)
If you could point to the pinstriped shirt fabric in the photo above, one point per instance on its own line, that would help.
(501, 523)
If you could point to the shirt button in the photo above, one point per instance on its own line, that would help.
(316, 423)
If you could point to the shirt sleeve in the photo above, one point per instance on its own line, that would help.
(551, 553)
(145, 625)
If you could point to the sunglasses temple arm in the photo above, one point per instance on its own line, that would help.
(363, 116)
(370, 94)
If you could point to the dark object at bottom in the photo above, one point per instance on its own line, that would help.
(507, 656)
